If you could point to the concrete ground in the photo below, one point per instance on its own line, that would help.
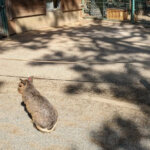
(96, 74)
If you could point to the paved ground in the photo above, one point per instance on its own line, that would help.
(97, 76)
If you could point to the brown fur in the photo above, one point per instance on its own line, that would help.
(44, 115)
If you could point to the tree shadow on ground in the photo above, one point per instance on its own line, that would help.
(109, 60)
(120, 133)
(115, 57)
(37, 40)
(129, 85)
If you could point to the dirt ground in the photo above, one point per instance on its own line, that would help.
(96, 74)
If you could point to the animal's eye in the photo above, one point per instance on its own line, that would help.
(20, 85)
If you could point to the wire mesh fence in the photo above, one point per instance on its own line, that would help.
(117, 9)
(98, 8)
(142, 11)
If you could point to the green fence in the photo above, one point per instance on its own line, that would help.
(98, 8)
(3, 19)
(137, 10)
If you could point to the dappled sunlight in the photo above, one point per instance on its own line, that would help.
(97, 76)
(105, 60)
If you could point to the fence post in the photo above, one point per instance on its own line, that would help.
(4, 18)
(83, 6)
(133, 11)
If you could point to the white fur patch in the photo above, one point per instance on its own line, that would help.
(45, 129)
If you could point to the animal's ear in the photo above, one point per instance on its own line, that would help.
(20, 80)
(30, 79)
(23, 82)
